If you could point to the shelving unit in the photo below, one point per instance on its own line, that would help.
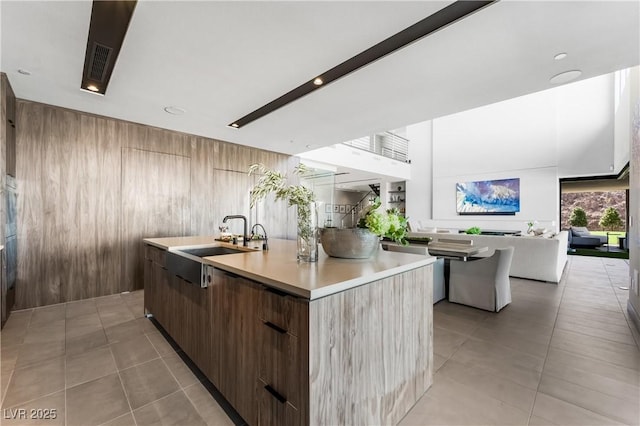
(397, 196)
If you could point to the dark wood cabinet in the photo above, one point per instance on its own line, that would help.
(236, 324)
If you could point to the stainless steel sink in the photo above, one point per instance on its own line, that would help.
(187, 263)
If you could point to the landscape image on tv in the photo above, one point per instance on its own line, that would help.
(488, 197)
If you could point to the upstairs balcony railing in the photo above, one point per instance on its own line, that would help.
(387, 144)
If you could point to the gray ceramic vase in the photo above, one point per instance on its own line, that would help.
(349, 243)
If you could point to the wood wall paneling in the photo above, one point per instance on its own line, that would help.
(203, 187)
(7, 144)
(80, 198)
(155, 202)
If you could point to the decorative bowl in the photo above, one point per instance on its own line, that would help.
(349, 243)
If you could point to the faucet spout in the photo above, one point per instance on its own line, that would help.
(244, 219)
(265, 245)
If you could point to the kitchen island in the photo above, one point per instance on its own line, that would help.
(340, 341)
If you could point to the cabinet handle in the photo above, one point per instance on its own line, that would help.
(275, 394)
(276, 291)
(275, 327)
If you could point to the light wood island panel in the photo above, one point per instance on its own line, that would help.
(358, 354)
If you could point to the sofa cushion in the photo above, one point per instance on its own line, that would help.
(580, 231)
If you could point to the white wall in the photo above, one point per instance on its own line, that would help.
(418, 205)
(633, 305)
(562, 132)
(622, 117)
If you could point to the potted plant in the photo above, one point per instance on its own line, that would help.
(361, 242)
(474, 230)
(300, 196)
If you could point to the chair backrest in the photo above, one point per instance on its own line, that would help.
(504, 257)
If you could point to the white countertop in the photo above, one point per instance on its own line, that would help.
(279, 268)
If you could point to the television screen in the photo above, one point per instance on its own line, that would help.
(500, 197)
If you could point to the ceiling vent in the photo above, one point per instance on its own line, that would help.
(107, 29)
(99, 60)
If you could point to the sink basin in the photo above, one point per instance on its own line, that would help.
(187, 263)
(211, 251)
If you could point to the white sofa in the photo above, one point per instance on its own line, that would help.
(535, 258)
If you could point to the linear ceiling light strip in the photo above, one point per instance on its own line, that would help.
(109, 23)
(428, 25)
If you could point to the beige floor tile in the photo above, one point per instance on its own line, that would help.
(180, 371)
(126, 420)
(174, 409)
(86, 342)
(438, 362)
(83, 324)
(35, 381)
(504, 362)
(124, 331)
(46, 332)
(618, 409)
(446, 342)
(513, 338)
(147, 325)
(452, 323)
(48, 410)
(608, 351)
(148, 382)
(474, 403)
(586, 321)
(620, 337)
(96, 402)
(82, 307)
(501, 389)
(160, 343)
(88, 366)
(567, 414)
(607, 378)
(114, 314)
(48, 314)
(539, 421)
(36, 352)
(114, 299)
(207, 406)
(133, 351)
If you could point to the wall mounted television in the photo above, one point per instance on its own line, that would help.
(488, 197)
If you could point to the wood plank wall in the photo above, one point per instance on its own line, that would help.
(5, 98)
(77, 220)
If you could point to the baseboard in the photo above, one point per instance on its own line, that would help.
(633, 314)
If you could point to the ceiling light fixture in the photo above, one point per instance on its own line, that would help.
(234, 125)
(23, 71)
(107, 28)
(565, 77)
(174, 110)
(93, 88)
(318, 81)
(560, 56)
(442, 18)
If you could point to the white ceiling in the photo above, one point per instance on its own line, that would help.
(222, 60)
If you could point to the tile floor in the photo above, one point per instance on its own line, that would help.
(559, 354)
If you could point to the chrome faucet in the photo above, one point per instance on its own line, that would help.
(265, 245)
(244, 219)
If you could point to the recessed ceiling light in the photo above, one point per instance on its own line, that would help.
(560, 56)
(174, 110)
(565, 77)
(318, 81)
(310, 145)
(92, 87)
(24, 72)
(233, 125)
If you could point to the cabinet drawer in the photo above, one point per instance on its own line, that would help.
(273, 410)
(281, 310)
(279, 364)
(155, 254)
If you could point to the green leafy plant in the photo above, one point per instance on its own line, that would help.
(578, 217)
(611, 220)
(390, 223)
(275, 182)
(474, 230)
